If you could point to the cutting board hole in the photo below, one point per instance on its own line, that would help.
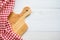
(26, 10)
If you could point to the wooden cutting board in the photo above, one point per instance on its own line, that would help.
(17, 21)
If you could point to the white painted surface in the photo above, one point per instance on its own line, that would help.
(44, 21)
(42, 36)
(45, 14)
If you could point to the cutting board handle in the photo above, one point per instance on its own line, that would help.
(26, 11)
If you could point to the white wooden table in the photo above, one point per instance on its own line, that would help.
(44, 22)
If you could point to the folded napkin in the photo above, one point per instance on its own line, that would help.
(6, 33)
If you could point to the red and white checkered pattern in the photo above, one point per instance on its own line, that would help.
(6, 32)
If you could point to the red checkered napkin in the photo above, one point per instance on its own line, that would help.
(6, 32)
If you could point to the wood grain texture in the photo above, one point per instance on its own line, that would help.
(17, 21)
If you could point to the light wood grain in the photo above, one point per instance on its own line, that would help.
(17, 21)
